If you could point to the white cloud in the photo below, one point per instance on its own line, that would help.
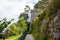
(12, 8)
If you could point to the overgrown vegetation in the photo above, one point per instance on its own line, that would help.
(44, 27)
(47, 22)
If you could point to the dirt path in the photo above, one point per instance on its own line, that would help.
(29, 37)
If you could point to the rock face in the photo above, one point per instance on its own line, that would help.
(34, 13)
(29, 37)
(49, 26)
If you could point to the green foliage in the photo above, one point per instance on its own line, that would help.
(45, 18)
(58, 1)
(19, 27)
(23, 19)
(14, 30)
(37, 24)
(4, 24)
(23, 24)
(27, 8)
(41, 4)
(24, 14)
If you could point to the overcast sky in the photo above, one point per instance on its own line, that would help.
(12, 8)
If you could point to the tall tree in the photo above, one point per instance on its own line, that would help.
(24, 23)
(25, 13)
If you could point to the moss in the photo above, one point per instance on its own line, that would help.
(58, 1)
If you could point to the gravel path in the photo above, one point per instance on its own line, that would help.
(29, 37)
